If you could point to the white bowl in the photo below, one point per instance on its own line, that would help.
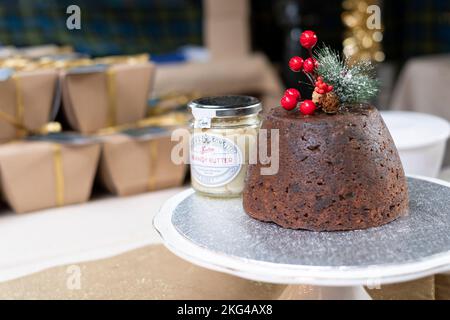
(420, 139)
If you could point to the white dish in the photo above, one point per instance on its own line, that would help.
(420, 139)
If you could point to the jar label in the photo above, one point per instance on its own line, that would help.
(215, 160)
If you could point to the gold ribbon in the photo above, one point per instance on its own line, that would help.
(112, 97)
(19, 104)
(23, 131)
(152, 165)
(16, 63)
(20, 63)
(167, 120)
(130, 59)
(171, 101)
(47, 63)
(111, 80)
(59, 174)
(25, 64)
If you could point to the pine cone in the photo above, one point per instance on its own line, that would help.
(330, 102)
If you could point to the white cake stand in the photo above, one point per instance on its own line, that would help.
(218, 235)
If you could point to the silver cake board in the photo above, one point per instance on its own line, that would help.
(217, 234)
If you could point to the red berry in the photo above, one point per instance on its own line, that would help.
(308, 39)
(288, 102)
(319, 79)
(307, 107)
(330, 88)
(321, 91)
(294, 93)
(309, 65)
(323, 86)
(296, 63)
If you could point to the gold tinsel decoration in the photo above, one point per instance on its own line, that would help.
(364, 30)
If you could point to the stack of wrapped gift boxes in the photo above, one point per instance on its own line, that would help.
(103, 105)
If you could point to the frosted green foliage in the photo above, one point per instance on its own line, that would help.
(352, 83)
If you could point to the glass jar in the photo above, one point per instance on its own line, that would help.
(223, 142)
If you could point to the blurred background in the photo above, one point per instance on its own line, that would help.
(211, 47)
(234, 29)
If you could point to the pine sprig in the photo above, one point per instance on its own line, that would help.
(351, 83)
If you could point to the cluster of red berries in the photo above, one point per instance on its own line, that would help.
(322, 87)
(291, 98)
(296, 64)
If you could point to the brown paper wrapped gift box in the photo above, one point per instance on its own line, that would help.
(27, 98)
(42, 174)
(94, 98)
(131, 164)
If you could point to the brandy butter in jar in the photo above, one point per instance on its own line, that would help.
(223, 141)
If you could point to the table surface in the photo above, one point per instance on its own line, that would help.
(101, 228)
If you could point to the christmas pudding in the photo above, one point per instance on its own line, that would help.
(338, 166)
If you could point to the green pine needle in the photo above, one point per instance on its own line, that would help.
(351, 83)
